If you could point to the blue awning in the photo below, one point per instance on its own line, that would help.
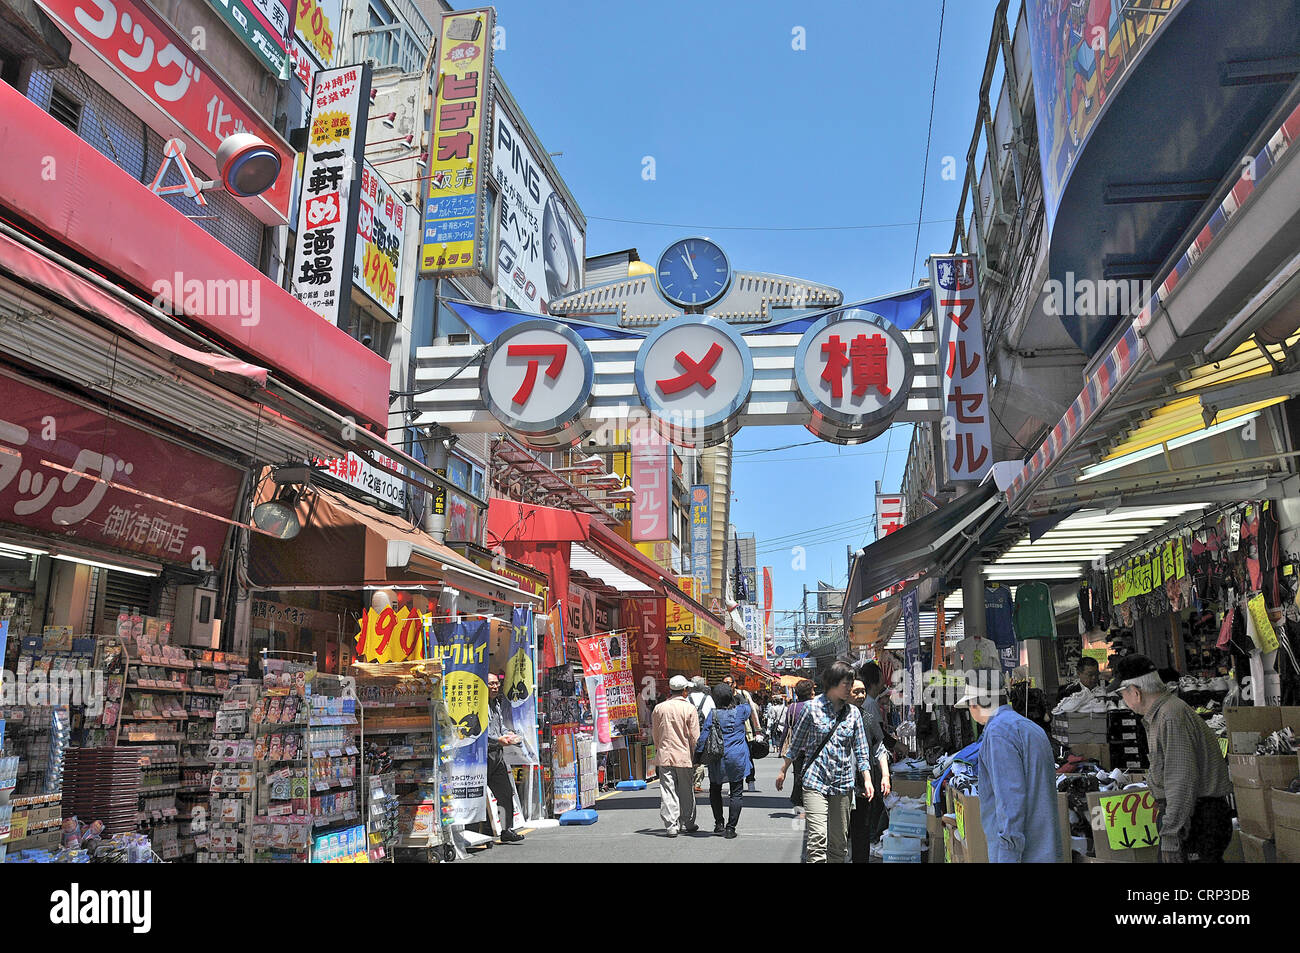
(902, 309)
(488, 322)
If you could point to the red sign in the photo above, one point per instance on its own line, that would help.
(67, 469)
(645, 617)
(134, 44)
(651, 458)
(767, 598)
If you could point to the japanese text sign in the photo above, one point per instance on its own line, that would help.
(265, 26)
(680, 620)
(452, 227)
(377, 265)
(393, 635)
(316, 29)
(68, 469)
(701, 537)
(536, 379)
(182, 95)
(461, 647)
(329, 202)
(1130, 820)
(967, 433)
(889, 514)
(652, 483)
(649, 645)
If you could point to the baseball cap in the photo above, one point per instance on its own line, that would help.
(1128, 668)
(982, 695)
(678, 683)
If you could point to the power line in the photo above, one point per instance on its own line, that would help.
(767, 228)
(925, 167)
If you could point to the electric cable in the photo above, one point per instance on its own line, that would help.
(925, 166)
(763, 228)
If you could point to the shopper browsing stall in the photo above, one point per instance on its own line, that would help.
(865, 818)
(1017, 782)
(1188, 775)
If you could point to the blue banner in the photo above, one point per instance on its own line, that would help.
(702, 537)
(521, 688)
(462, 649)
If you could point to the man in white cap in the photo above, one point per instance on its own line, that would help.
(676, 727)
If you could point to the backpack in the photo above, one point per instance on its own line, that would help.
(711, 746)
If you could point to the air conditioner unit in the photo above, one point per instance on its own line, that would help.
(196, 622)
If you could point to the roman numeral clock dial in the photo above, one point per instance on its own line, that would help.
(693, 273)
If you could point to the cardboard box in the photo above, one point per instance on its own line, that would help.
(975, 847)
(1232, 853)
(1248, 724)
(1253, 779)
(1096, 752)
(1257, 850)
(1287, 844)
(1286, 810)
(1101, 843)
(934, 831)
(906, 788)
(1086, 737)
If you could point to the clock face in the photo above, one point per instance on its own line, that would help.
(693, 272)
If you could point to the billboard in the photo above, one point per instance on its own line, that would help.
(377, 264)
(540, 249)
(701, 537)
(265, 26)
(453, 228)
(967, 435)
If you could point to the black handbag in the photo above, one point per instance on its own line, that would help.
(796, 792)
(712, 749)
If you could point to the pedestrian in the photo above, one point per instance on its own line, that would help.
(1188, 774)
(803, 693)
(830, 731)
(736, 762)
(1016, 781)
(753, 727)
(676, 728)
(774, 718)
(498, 775)
(703, 702)
(865, 818)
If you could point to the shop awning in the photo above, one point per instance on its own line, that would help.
(790, 681)
(585, 561)
(920, 546)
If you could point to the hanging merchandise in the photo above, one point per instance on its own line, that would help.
(1035, 617)
(462, 650)
(1261, 628)
(1000, 625)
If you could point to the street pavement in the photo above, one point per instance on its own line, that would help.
(630, 831)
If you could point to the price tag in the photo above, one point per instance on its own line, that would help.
(1130, 820)
(961, 818)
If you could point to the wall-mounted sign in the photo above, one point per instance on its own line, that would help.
(854, 370)
(967, 434)
(889, 514)
(316, 29)
(265, 26)
(329, 203)
(377, 266)
(694, 375)
(702, 537)
(452, 214)
(541, 250)
(536, 379)
(652, 483)
(380, 482)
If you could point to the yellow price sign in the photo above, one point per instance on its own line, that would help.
(315, 28)
(380, 275)
(961, 818)
(18, 826)
(1131, 820)
(390, 636)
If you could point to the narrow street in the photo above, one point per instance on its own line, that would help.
(630, 831)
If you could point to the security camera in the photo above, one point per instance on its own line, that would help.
(367, 339)
(246, 166)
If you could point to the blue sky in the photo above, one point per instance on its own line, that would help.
(744, 130)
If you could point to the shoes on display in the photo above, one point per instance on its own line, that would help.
(1219, 684)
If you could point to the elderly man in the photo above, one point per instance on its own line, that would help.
(1017, 782)
(1188, 776)
(676, 727)
(703, 702)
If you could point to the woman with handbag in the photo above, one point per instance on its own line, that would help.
(724, 737)
(831, 730)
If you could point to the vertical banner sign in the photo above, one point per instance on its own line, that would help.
(316, 30)
(462, 649)
(889, 514)
(557, 654)
(329, 204)
(521, 688)
(593, 669)
(767, 598)
(701, 537)
(651, 459)
(452, 213)
(649, 645)
(911, 649)
(265, 26)
(967, 434)
(377, 266)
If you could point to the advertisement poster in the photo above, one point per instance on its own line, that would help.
(606, 656)
(541, 252)
(462, 649)
(377, 265)
(452, 212)
(328, 206)
(316, 29)
(702, 537)
(649, 646)
(651, 462)
(582, 612)
(556, 638)
(520, 686)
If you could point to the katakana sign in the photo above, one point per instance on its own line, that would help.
(536, 379)
(854, 370)
(966, 431)
(694, 375)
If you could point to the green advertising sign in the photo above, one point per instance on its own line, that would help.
(264, 26)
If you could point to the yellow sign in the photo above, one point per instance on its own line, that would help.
(313, 27)
(18, 826)
(1264, 635)
(680, 619)
(961, 818)
(1130, 820)
(380, 275)
(661, 551)
(452, 212)
(393, 635)
(1099, 654)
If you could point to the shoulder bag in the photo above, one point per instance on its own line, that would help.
(800, 765)
(711, 746)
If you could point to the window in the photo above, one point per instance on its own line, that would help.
(65, 109)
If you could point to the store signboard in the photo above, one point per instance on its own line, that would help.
(71, 470)
(377, 266)
(652, 483)
(680, 619)
(753, 631)
(540, 250)
(390, 635)
(649, 646)
(329, 203)
(461, 647)
(453, 228)
(702, 537)
(316, 29)
(265, 26)
(358, 473)
(582, 612)
(536, 379)
(155, 73)
(967, 434)
(890, 510)
(767, 598)
(660, 552)
(693, 374)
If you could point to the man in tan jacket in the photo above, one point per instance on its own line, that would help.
(676, 727)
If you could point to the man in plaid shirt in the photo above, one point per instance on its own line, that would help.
(829, 775)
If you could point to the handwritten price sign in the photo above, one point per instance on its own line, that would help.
(390, 636)
(1130, 820)
(381, 277)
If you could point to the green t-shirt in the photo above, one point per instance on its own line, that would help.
(1034, 616)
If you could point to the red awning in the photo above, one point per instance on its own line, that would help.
(103, 213)
(28, 266)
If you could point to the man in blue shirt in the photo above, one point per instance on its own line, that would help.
(1017, 783)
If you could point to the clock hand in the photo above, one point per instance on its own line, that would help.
(694, 276)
